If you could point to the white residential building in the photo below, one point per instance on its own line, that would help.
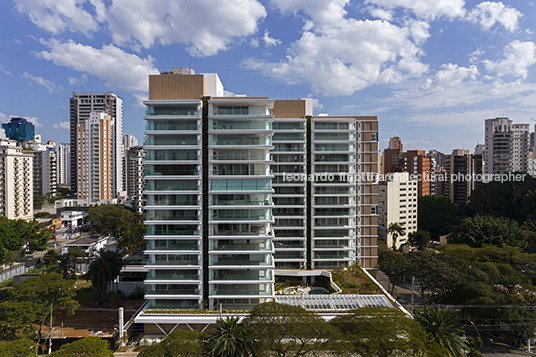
(63, 164)
(506, 146)
(16, 181)
(398, 204)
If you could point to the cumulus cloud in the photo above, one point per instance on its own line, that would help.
(3, 69)
(113, 65)
(451, 75)
(320, 11)
(34, 121)
(342, 59)
(428, 9)
(64, 125)
(268, 41)
(488, 13)
(50, 86)
(78, 81)
(57, 16)
(519, 56)
(207, 26)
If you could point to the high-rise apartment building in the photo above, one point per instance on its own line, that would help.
(129, 141)
(81, 107)
(520, 147)
(462, 170)
(63, 163)
(44, 172)
(19, 129)
(417, 163)
(227, 205)
(94, 167)
(16, 181)
(136, 176)
(397, 204)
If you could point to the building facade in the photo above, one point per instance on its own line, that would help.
(19, 129)
(223, 218)
(136, 177)
(44, 172)
(16, 183)
(81, 107)
(397, 204)
(63, 163)
(462, 170)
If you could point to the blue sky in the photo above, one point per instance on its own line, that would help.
(431, 70)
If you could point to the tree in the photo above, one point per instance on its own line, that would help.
(179, 344)
(395, 229)
(39, 294)
(51, 258)
(482, 230)
(112, 219)
(421, 239)
(18, 348)
(444, 329)
(230, 338)
(437, 215)
(382, 332)
(287, 330)
(132, 239)
(16, 320)
(86, 347)
(103, 271)
(394, 264)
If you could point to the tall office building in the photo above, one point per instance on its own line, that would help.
(81, 107)
(63, 163)
(218, 198)
(16, 181)
(19, 129)
(462, 169)
(94, 166)
(129, 141)
(136, 177)
(498, 146)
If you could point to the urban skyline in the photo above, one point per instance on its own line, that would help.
(425, 79)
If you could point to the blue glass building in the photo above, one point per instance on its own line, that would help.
(19, 129)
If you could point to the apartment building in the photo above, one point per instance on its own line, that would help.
(94, 165)
(397, 204)
(462, 170)
(498, 146)
(81, 107)
(44, 172)
(16, 181)
(129, 141)
(135, 174)
(63, 164)
(223, 217)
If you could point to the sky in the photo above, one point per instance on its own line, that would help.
(431, 70)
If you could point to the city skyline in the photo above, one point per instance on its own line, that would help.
(432, 72)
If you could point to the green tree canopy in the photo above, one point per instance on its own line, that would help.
(230, 339)
(103, 271)
(488, 230)
(132, 239)
(179, 344)
(15, 232)
(395, 229)
(86, 347)
(437, 215)
(421, 239)
(394, 264)
(18, 348)
(112, 219)
(382, 332)
(286, 330)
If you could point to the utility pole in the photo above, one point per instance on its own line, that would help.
(50, 339)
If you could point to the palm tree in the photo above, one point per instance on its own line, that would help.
(395, 229)
(444, 328)
(103, 271)
(229, 339)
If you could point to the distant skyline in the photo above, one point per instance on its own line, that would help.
(431, 71)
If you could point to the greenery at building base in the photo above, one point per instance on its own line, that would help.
(352, 280)
(273, 329)
(14, 233)
(103, 271)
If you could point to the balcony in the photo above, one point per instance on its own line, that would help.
(241, 185)
(176, 125)
(172, 244)
(241, 260)
(173, 259)
(172, 289)
(241, 215)
(237, 245)
(172, 230)
(262, 124)
(172, 109)
(171, 155)
(240, 275)
(175, 140)
(178, 275)
(237, 155)
(241, 289)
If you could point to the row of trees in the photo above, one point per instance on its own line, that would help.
(284, 330)
(15, 233)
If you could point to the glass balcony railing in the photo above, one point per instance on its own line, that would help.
(172, 215)
(237, 155)
(334, 255)
(172, 244)
(334, 147)
(262, 245)
(242, 185)
(289, 255)
(241, 260)
(172, 230)
(334, 137)
(171, 155)
(336, 233)
(171, 170)
(161, 140)
(172, 109)
(333, 158)
(241, 215)
(240, 169)
(184, 304)
(241, 140)
(333, 212)
(289, 233)
(241, 289)
(289, 244)
(263, 124)
(173, 275)
(289, 125)
(227, 275)
(172, 289)
(172, 200)
(288, 137)
(334, 126)
(173, 259)
(171, 125)
(329, 244)
(334, 190)
(172, 185)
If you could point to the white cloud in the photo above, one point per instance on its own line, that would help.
(207, 26)
(473, 57)
(57, 16)
(4, 118)
(320, 11)
(428, 9)
(419, 30)
(50, 86)
(254, 43)
(268, 41)
(381, 14)
(3, 69)
(489, 13)
(317, 104)
(342, 59)
(64, 125)
(78, 81)
(34, 121)
(116, 67)
(518, 57)
(451, 75)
